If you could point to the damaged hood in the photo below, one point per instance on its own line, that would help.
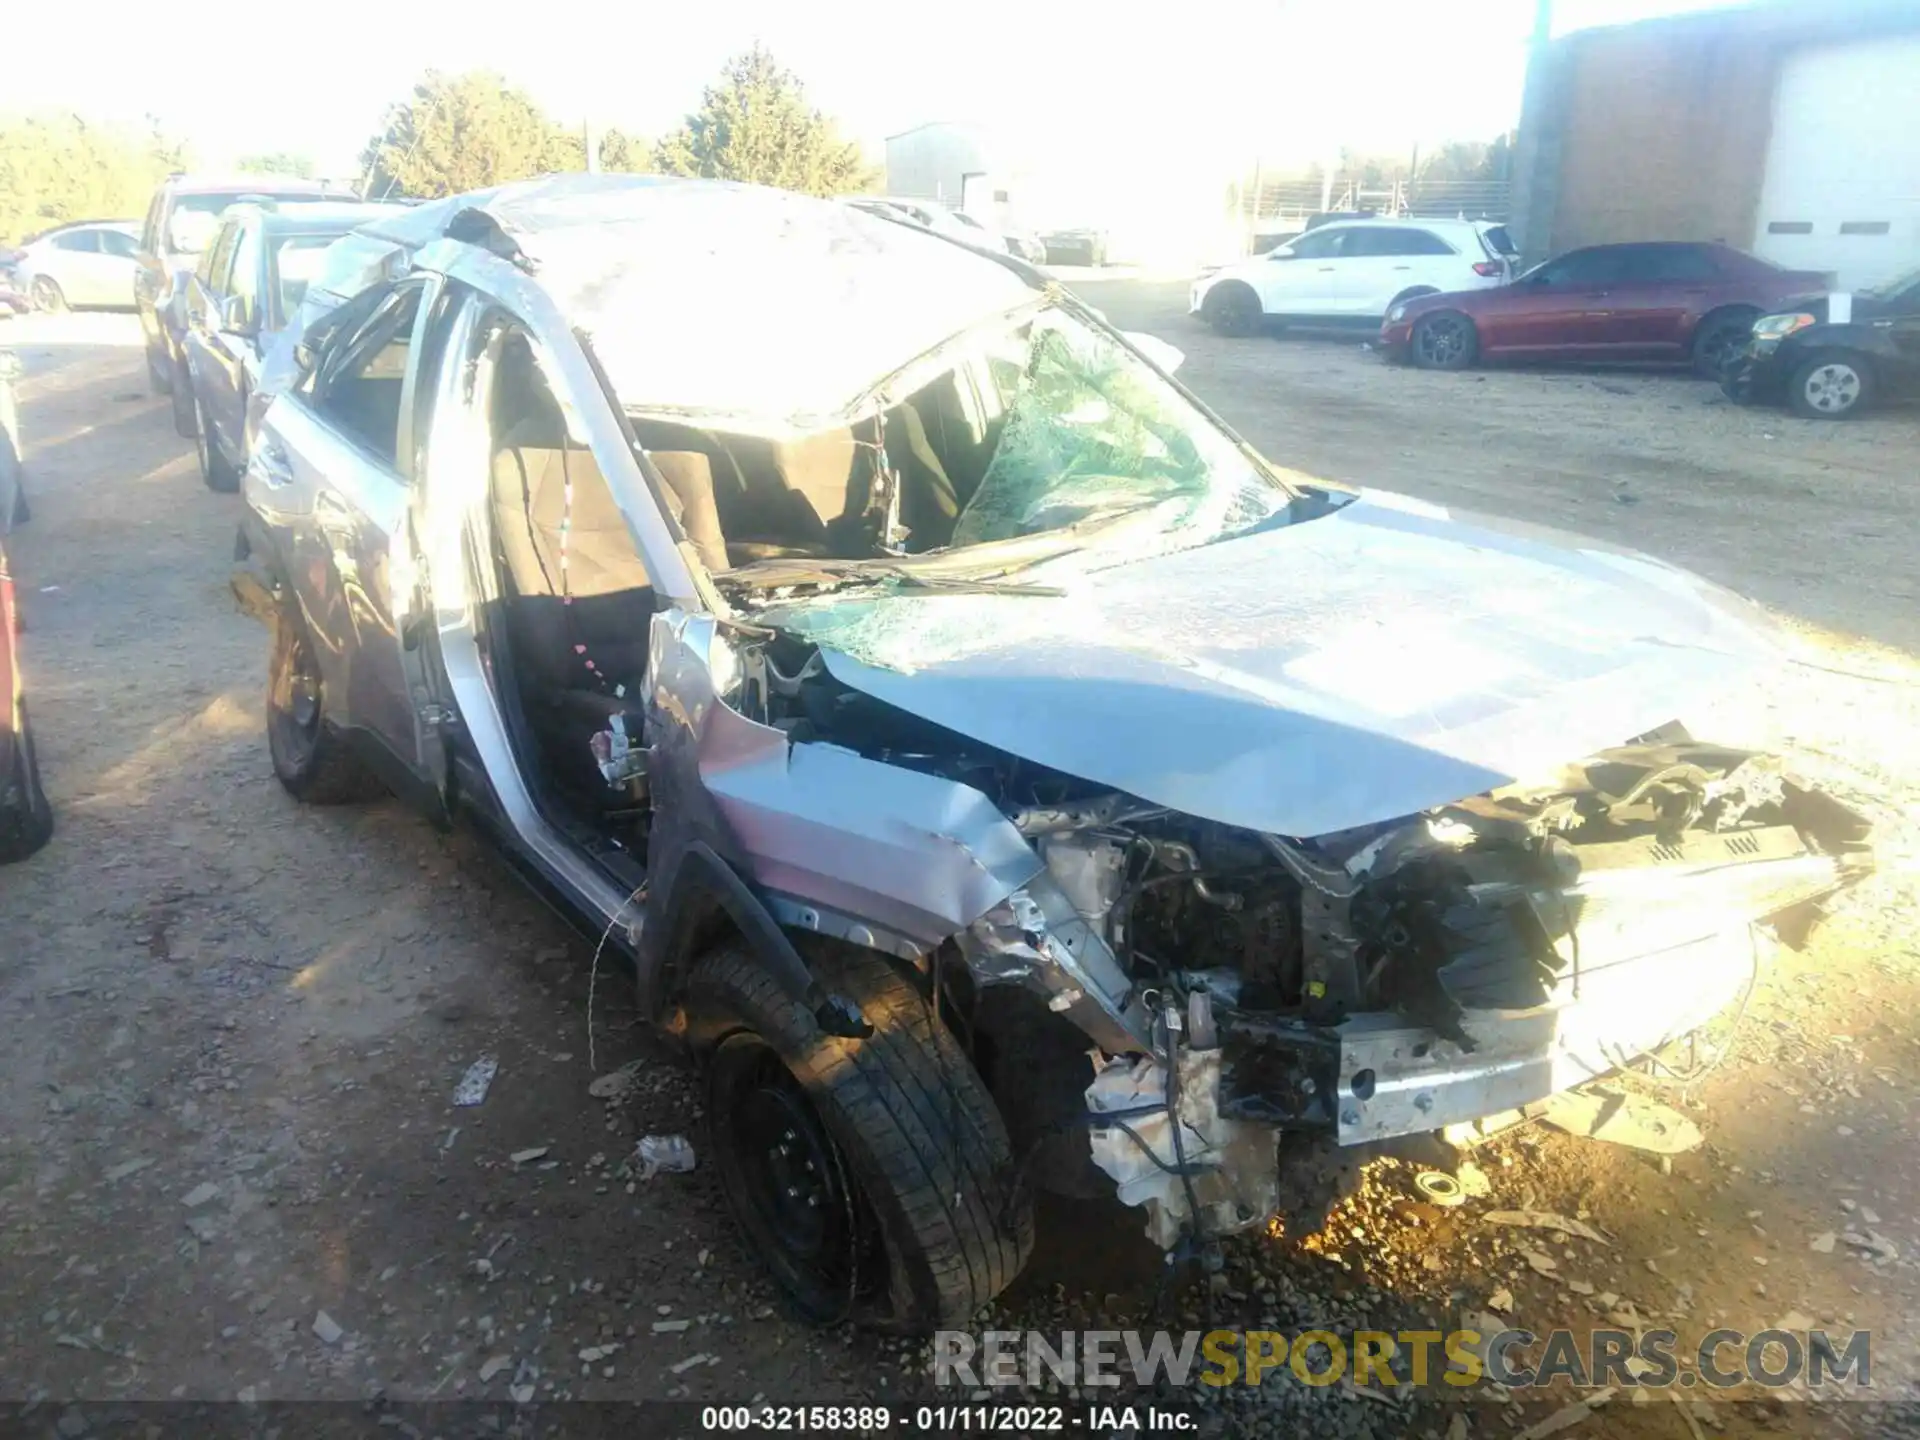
(1378, 661)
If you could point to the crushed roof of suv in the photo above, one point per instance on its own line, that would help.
(739, 300)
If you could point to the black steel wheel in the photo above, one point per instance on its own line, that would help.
(789, 1182)
(1444, 340)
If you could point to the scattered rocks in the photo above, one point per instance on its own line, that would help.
(200, 1194)
(327, 1328)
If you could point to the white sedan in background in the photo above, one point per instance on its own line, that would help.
(1349, 274)
(90, 263)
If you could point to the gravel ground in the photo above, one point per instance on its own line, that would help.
(228, 1161)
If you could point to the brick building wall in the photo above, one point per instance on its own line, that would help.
(1665, 137)
(1660, 130)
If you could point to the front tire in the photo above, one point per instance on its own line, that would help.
(26, 817)
(874, 1176)
(1444, 340)
(1232, 308)
(309, 758)
(215, 469)
(1833, 386)
(47, 296)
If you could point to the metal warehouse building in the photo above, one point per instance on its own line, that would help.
(1786, 129)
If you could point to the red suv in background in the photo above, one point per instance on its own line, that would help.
(1670, 301)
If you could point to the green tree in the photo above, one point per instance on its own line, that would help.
(754, 124)
(620, 152)
(55, 168)
(463, 132)
(278, 162)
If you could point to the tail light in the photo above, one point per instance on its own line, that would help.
(1490, 268)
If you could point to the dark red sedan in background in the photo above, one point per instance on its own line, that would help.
(1665, 301)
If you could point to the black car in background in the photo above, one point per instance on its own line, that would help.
(1075, 247)
(1832, 357)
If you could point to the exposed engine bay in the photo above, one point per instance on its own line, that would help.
(1372, 984)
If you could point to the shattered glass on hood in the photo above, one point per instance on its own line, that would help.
(1094, 437)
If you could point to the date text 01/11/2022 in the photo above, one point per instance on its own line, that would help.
(961, 1419)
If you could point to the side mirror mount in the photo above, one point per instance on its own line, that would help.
(235, 316)
(1169, 357)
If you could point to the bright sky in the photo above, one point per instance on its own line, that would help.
(1291, 79)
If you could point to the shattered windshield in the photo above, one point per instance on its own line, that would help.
(1041, 449)
(1092, 431)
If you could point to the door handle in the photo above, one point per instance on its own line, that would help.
(1403, 267)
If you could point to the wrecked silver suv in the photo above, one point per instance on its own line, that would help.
(998, 774)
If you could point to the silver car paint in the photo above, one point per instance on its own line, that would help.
(1357, 668)
(1314, 736)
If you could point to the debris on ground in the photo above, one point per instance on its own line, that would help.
(494, 1366)
(1545, 1220)
(327, 1328)
(1622, 1119)
(1439, 1187)
(1872, 1244)
(616, 1085)
(1822, 1244)
(200, 1195)
(528, 1156)
(663, 1154)
(1567, 1416)
(472, 1088)
(1473, 1181)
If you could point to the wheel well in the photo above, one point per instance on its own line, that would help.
(1722, 312)
(1472, 324)
(1412, 292)
(1229, 287)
